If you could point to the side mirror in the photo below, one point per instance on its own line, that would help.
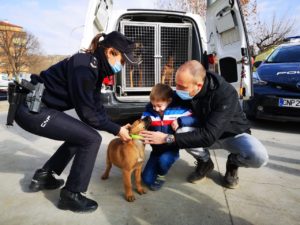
(257, 64)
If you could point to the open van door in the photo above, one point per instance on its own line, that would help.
(96, 20)
(228, 44)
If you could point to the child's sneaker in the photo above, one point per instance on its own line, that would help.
(158, 183)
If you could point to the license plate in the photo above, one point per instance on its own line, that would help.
(289, 102)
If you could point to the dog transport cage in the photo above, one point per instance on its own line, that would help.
(160, 46)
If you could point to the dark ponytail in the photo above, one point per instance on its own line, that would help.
(94, 43)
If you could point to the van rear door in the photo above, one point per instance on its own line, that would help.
(228, 44)
(96, 20)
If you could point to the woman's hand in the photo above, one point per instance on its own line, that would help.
(175, 125)
(152, 137)
(124, 133)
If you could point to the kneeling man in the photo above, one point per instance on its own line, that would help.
(224, 125)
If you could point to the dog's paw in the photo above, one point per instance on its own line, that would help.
(141, 191)
(104, 177)
(130, 198)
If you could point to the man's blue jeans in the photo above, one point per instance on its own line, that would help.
(249, 151)
(158, 165)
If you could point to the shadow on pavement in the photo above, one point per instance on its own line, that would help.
(19, 157)
(286, 127)
(284, 169)
(177, 203)
(285, 146)
(284, 159)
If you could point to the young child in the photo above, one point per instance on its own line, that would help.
(166, 111)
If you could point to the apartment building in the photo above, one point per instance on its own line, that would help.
(11, 36)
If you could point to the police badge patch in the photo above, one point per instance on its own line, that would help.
(94, 63)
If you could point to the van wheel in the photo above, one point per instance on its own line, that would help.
(250, 116)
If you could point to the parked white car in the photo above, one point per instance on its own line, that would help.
(3, 82)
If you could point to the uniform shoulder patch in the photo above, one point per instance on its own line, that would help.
(94, 62)
(84, 59)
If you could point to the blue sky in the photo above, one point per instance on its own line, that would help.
(58, 24)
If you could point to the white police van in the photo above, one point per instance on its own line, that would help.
(170, 38)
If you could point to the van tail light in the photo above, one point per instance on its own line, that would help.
(252, 61)
(211, 59)
(109, 81)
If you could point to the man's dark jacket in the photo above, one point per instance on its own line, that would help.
(219, 112)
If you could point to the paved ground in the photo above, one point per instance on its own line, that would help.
(269, 195)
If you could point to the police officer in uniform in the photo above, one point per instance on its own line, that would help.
(75, 83)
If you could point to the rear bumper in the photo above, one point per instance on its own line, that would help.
(122, 112)
(267, 107)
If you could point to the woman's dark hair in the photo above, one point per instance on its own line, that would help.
(96, 43)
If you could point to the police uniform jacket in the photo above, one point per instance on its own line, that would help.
(75, 82)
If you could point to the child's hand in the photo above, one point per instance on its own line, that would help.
(174, 125)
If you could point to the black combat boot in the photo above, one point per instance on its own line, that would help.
(201, 171)
(44, 179)
(231, 179)
(75, 202)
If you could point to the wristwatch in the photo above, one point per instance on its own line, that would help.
(170, 139)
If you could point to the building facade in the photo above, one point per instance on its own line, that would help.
(12, 39)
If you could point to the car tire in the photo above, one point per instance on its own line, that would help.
(247, 110)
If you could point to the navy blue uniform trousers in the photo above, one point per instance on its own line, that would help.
(80, 141)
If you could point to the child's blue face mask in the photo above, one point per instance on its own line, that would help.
(184, 95)
(117, 67)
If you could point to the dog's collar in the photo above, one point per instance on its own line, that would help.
(136, 136)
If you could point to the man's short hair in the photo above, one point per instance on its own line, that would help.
(195, 68)
(161, 92)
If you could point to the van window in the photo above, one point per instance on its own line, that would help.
(228, 69)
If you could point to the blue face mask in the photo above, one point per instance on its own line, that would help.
(117, 67)
(184, 95)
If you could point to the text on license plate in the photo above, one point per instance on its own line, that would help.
(289, 102)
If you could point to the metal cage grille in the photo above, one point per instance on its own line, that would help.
(175, 51)
(162, 47)
(142, 75)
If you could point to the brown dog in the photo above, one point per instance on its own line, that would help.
(139, 68)
(138, 51)
(128, 156)
(168, 71)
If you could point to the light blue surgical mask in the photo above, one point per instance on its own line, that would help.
(184, 95)
(117, 67)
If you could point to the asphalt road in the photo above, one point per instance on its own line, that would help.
(269, 195)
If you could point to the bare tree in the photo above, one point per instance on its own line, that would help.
(42, 62)
(262, 34)
(269, 34)
(16, 49)
(193, 6)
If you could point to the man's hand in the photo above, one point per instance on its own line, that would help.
(174, 125)
(152, 137)
(124, 133)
